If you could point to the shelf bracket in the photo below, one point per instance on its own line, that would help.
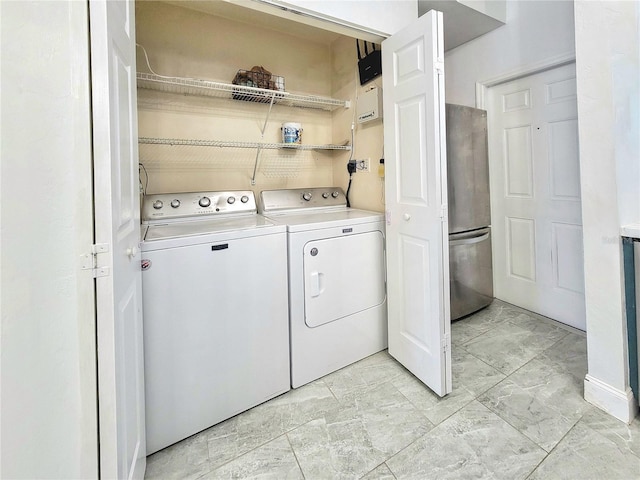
(264, 127)
(266, 120)
(255, 166)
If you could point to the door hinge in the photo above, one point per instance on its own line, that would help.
(89, 261)
(439, 67)
(446, 342)
(444, 213)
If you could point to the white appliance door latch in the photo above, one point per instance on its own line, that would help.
(315, 284)
(89, 261)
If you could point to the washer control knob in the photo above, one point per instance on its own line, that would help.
(175, 203)
(231, 200)
(325, 195)
(244, 199)
(335, 194)
(306, 196)
(158, 204)
(204, 202)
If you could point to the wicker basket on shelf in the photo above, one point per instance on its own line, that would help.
(257, 77)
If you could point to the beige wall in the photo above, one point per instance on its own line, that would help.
(187, 43)
(366, 188)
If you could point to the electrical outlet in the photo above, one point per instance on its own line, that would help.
(363, 165)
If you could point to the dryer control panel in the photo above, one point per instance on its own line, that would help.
(302, 199)
(170, 206)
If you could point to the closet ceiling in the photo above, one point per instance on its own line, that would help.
(253, 17)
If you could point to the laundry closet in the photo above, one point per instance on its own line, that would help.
(216, 44)
(236, 119)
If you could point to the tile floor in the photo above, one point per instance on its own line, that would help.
(516, 412)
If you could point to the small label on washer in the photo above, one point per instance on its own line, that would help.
(145, 264)
(347, 230)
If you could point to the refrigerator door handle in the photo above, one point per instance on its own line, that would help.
(469, 238)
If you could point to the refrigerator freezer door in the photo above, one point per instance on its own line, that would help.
(467, 168)
(470, 272)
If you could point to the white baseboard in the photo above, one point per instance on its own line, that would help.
(615, 402)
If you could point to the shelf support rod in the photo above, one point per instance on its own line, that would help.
(255, 166)
(264, 127)
(266, 120)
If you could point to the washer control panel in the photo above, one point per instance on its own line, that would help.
(169, 206)
(302, 198)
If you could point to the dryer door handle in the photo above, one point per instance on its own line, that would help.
(316, 284)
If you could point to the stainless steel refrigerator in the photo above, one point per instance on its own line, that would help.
(470, 270)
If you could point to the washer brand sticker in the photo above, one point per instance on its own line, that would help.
(347, 230)
(145, 264)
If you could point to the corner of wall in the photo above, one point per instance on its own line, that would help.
(620, 404)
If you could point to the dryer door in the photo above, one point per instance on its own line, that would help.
(343, 276)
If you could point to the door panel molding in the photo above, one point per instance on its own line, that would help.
(416, 183)
(535, 197)
(483, 86)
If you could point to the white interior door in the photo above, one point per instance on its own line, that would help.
(416, 186)
(117, 224)
(535, 195)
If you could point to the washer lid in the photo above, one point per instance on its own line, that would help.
(298, 222)
(204, 227)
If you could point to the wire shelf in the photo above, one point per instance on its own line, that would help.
(234, 144)
(273, 164)
(189, 86)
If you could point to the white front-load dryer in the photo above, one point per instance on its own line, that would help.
(337, 288)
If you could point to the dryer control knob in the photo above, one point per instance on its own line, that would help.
(306, 196)
(175, 203)
(231, 200)
(325, 195)
(158, 204)
(335, 194)
(244, 199)
(204, 202)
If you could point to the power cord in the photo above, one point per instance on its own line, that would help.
(145, 185)
(351, 168)
(351, 163)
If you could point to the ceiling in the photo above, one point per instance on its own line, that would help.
(462, 23)
(251, 16)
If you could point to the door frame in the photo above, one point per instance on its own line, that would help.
(483, 86)
(109, 251)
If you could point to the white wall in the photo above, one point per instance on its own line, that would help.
(493, 8)
(371, 20)
(48, 385)
(606, 44)
(535, 31)
(607, 62)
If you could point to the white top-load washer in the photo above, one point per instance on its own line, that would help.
(337, 283)
(216, 335)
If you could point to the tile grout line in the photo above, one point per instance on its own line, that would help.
(389, 381)
(494, 325)
(293, 450)
(554, 447)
